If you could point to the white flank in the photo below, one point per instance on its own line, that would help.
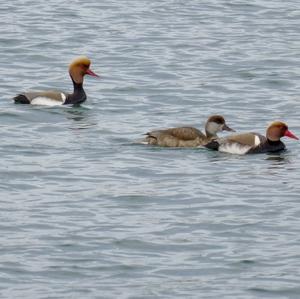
(234, 148)
(45, 101)
(63, 97)
(256, 140)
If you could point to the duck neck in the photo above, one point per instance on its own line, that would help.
(211, 130)
(78, 96)
(210, 133)
(274, 142)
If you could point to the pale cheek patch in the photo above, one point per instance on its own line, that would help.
(45, 102)
(213, 127)
(234, 148)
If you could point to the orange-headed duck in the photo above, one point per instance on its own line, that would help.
(78, 68)
(254, 143)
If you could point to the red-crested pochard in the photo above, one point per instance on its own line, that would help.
(254, 143)
(187, 136)
(78, 68)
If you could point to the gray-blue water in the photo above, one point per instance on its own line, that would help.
(84, 213)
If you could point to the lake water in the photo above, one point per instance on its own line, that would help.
(86, 213)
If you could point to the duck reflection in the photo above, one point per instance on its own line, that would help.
(278, 158)
(82, 117)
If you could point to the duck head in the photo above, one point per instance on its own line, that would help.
(215, 124)
(277, 130)
(80, 67)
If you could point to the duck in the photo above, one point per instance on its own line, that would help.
(254, 143)
(187, 136)
(78, 68)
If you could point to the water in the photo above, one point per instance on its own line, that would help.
(85, 213)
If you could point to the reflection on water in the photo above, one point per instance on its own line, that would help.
(278, 159)
(83, 117)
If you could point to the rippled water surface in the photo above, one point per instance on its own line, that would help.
(86, 213)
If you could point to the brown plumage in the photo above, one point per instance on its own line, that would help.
(187, 136)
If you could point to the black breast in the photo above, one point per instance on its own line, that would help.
(268, 147)
(78, 96)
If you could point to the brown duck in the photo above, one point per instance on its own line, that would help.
(188, 136)
(253, 143)
(78, 68)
